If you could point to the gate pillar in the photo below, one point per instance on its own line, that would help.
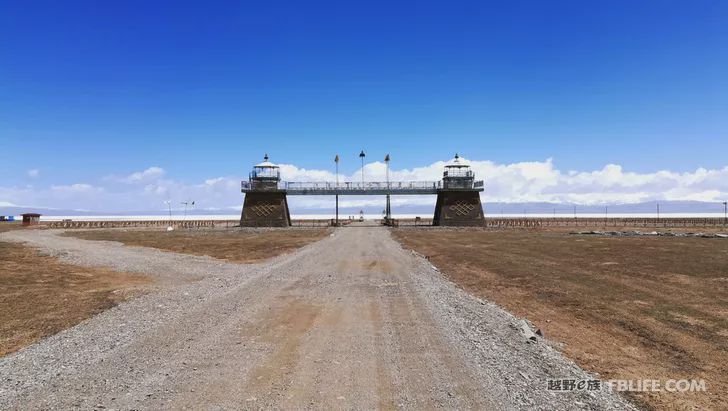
(265, 209)
(265, 202)
(458, 208)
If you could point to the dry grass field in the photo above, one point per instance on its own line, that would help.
(626, 308)
(7, 226)
(232, 245)
(40, 296)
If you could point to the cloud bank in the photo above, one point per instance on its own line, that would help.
(537, 181)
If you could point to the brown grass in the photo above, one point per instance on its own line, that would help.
(627, 308)
(232, 245)
(40, 296)
(7, 226)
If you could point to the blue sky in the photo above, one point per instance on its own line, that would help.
(202, 89)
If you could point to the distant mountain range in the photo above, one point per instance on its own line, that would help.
(642, 208)
(666, 207)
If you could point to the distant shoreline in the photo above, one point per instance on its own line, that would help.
(227, 217)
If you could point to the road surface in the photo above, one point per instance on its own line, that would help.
(350, 322)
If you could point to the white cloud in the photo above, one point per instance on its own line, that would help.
(33, 173)
(150, 174)
(76, 188)
(541, 181)
(534, 181)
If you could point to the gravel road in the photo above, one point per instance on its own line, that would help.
(350, 322)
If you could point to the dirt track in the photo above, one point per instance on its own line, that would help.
(352, 321)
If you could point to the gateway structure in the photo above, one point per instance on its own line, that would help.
(458, 195)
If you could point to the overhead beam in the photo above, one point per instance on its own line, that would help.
(367, 188)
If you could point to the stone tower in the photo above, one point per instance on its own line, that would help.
(265, 202)
(458, 201)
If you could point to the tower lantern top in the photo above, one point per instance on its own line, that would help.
(265, 163)
(456, 163)
(458, 174)
(265, 173)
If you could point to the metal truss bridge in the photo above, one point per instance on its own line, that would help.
(359, 188)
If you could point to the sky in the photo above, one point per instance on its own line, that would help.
(121, 105)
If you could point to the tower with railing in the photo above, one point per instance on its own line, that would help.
(458, 201)
(265, 201)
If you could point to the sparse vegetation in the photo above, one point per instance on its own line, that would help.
(232, 245)
(40, 295)
(627, 308)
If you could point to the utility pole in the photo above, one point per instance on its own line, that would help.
(186, 203)
(725, 213)
(388, 210)
(336, 160)
(386, 162)
(169, 206)
(658, 212)
(361, 156)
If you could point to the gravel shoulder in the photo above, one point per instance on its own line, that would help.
(351, 321)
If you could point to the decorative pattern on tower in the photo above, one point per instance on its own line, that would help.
(265, 202)
(458, 201)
